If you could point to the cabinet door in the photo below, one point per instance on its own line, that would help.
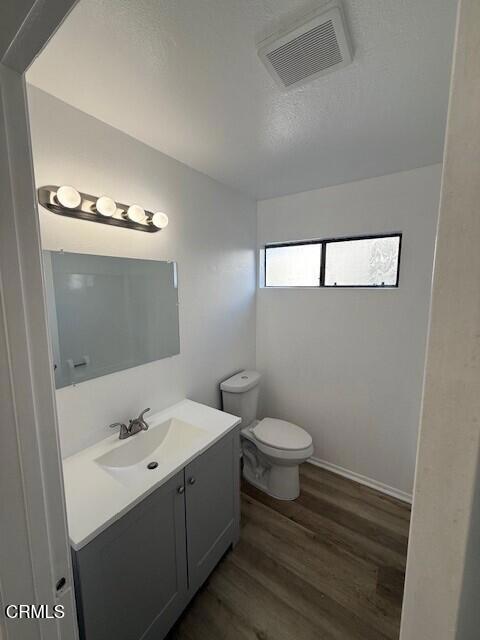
(131, 580)
(212, 495)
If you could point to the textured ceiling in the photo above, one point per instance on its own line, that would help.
(183, 76)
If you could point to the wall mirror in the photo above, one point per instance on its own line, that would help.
(108, 314)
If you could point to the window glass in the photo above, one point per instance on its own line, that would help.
(364, 262)
(293, 265)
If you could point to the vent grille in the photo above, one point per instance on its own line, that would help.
(317, 46)
(307, 54)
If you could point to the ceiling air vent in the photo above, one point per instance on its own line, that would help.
(312, 47)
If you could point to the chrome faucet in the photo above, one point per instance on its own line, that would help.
(133, 427)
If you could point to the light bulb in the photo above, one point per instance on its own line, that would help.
(136, 213)
(68, 197)
(106, 206)
(160, 220)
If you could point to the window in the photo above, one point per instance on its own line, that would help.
(371, 261)
(293, 265)
(365, 262)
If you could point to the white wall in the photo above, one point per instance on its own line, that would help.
(211, 235)
(442, 586)
(347, 364)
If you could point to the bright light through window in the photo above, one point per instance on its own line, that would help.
(370, 262)
(293, 265)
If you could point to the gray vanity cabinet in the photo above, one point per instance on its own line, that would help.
(212, 494)
(135, 578)
(131, 580)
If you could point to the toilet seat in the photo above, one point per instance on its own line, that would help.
(280, 434)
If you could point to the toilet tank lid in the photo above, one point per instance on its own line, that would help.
(241, 382)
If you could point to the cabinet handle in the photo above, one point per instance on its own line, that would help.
(181, 489)
(191, 480)
(60, 584)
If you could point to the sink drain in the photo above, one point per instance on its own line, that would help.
(152, 465)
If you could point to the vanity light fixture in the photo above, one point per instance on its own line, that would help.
(67, 201)
(159, 220)
(106, 206)
(68, 197)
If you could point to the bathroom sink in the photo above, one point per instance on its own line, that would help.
(145, 452)
(104, 481)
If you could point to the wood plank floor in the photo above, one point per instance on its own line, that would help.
(327, 566)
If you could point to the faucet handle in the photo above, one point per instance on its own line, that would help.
(117, 424)
(140, 417)
(124, 430)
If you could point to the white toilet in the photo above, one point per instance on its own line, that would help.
(272, 449)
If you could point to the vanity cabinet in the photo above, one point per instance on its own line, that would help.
(135, 578)
(131, 580)
(211, 509)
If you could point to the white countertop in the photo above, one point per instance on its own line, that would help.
(95, 498)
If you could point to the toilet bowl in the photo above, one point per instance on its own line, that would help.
(272, 449)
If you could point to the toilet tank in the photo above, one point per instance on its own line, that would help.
(240, 395)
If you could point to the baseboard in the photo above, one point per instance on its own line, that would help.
(357, 477)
